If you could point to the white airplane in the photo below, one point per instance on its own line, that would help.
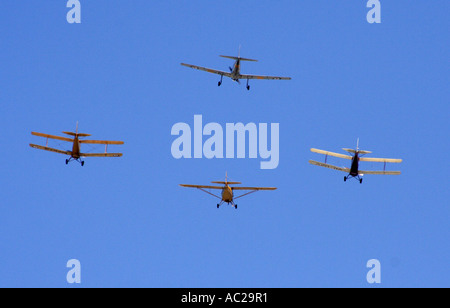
(235, 71)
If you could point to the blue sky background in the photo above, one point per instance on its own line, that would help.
(129, 223)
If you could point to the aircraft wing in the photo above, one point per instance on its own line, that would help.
(381, 160)
(331, 153)
(50, 149)
(379, 172)
(101, 154)
(52, 137)
(209, 70)
(253, 188)
(101, 142)
(313, 162)
(202, 186)
(263, 77)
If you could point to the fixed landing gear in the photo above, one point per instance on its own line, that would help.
(360, 181)
(77, 159)
(235, 206)
(345, 178)
(248, 87)
(220, 82)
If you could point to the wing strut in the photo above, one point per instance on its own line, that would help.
(250, 192)
(209, 193)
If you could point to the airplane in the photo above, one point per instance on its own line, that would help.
(353, 171)
(75, 154)
(235, 71)
(227, 191)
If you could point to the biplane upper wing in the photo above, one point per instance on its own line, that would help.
(263, 77)
(202, 186)
(101, 142)
(52, 137)
(253, 188)
(331, 153)
(209, 70)
(50, 149)
(101, 154)
(313, 162)
(381, 160)
(379, 172)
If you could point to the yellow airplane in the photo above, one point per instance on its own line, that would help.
(227, 191)
(75, 154)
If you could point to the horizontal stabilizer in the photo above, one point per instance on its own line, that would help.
(75, 134)
(238, 58)
(359, 151)
(219, 182)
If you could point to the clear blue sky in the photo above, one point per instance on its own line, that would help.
(126, 219)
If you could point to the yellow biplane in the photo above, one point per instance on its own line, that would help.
(75, 154)
(227, 191)
(356, 157)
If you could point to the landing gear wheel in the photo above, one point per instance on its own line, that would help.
(82, 163)
(235, 206)
(345, 178)
(360, 181)
(67, 161)
(248, 88)
(218, 205)
(219, 83)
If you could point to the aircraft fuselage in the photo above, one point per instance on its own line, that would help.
(236, 72)
(227, 194)
(76, 148)
(355, 165)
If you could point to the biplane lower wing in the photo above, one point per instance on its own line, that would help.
(381, 160)
(39, 147)
(100, 142)
(52, 137)
(101, 154)
(313, 162)
(361, 172)
(263, 77)
(331, 153)
(209, 70)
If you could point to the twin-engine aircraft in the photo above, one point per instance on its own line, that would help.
(227, 191)
(235, 71)
(354, 171)
(75, 154)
